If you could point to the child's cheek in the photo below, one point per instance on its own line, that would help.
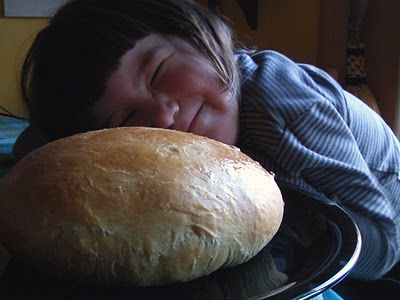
(180, 82)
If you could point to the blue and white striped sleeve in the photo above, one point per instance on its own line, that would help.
(320, 148)
(319, 138)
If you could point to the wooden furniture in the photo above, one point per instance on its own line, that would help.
(382, 51)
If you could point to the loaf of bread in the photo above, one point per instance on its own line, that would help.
(137, 206)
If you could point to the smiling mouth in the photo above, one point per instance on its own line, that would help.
(195, 119)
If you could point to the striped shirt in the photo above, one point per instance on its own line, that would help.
(318, 139)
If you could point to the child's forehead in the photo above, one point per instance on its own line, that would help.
(154, 41)
(144, 47)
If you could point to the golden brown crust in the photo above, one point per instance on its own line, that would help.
(137, 206)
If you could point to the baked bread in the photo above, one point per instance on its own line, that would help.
(137, 206)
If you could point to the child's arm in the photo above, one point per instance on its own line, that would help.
(298, 122)
(327, 157)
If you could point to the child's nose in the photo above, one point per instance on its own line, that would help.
(164, 112)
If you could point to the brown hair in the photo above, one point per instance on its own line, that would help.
(67, 66)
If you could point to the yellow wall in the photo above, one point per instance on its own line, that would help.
(16, 34)
(289, 26)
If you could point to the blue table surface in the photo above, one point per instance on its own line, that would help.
(10, 128)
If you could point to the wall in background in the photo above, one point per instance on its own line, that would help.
(382, 50)
(16, 35)
(37, 8)
(289, 26)
(382, 55)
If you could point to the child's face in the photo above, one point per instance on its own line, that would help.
(163, 82)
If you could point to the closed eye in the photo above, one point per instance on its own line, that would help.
(157, 73)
